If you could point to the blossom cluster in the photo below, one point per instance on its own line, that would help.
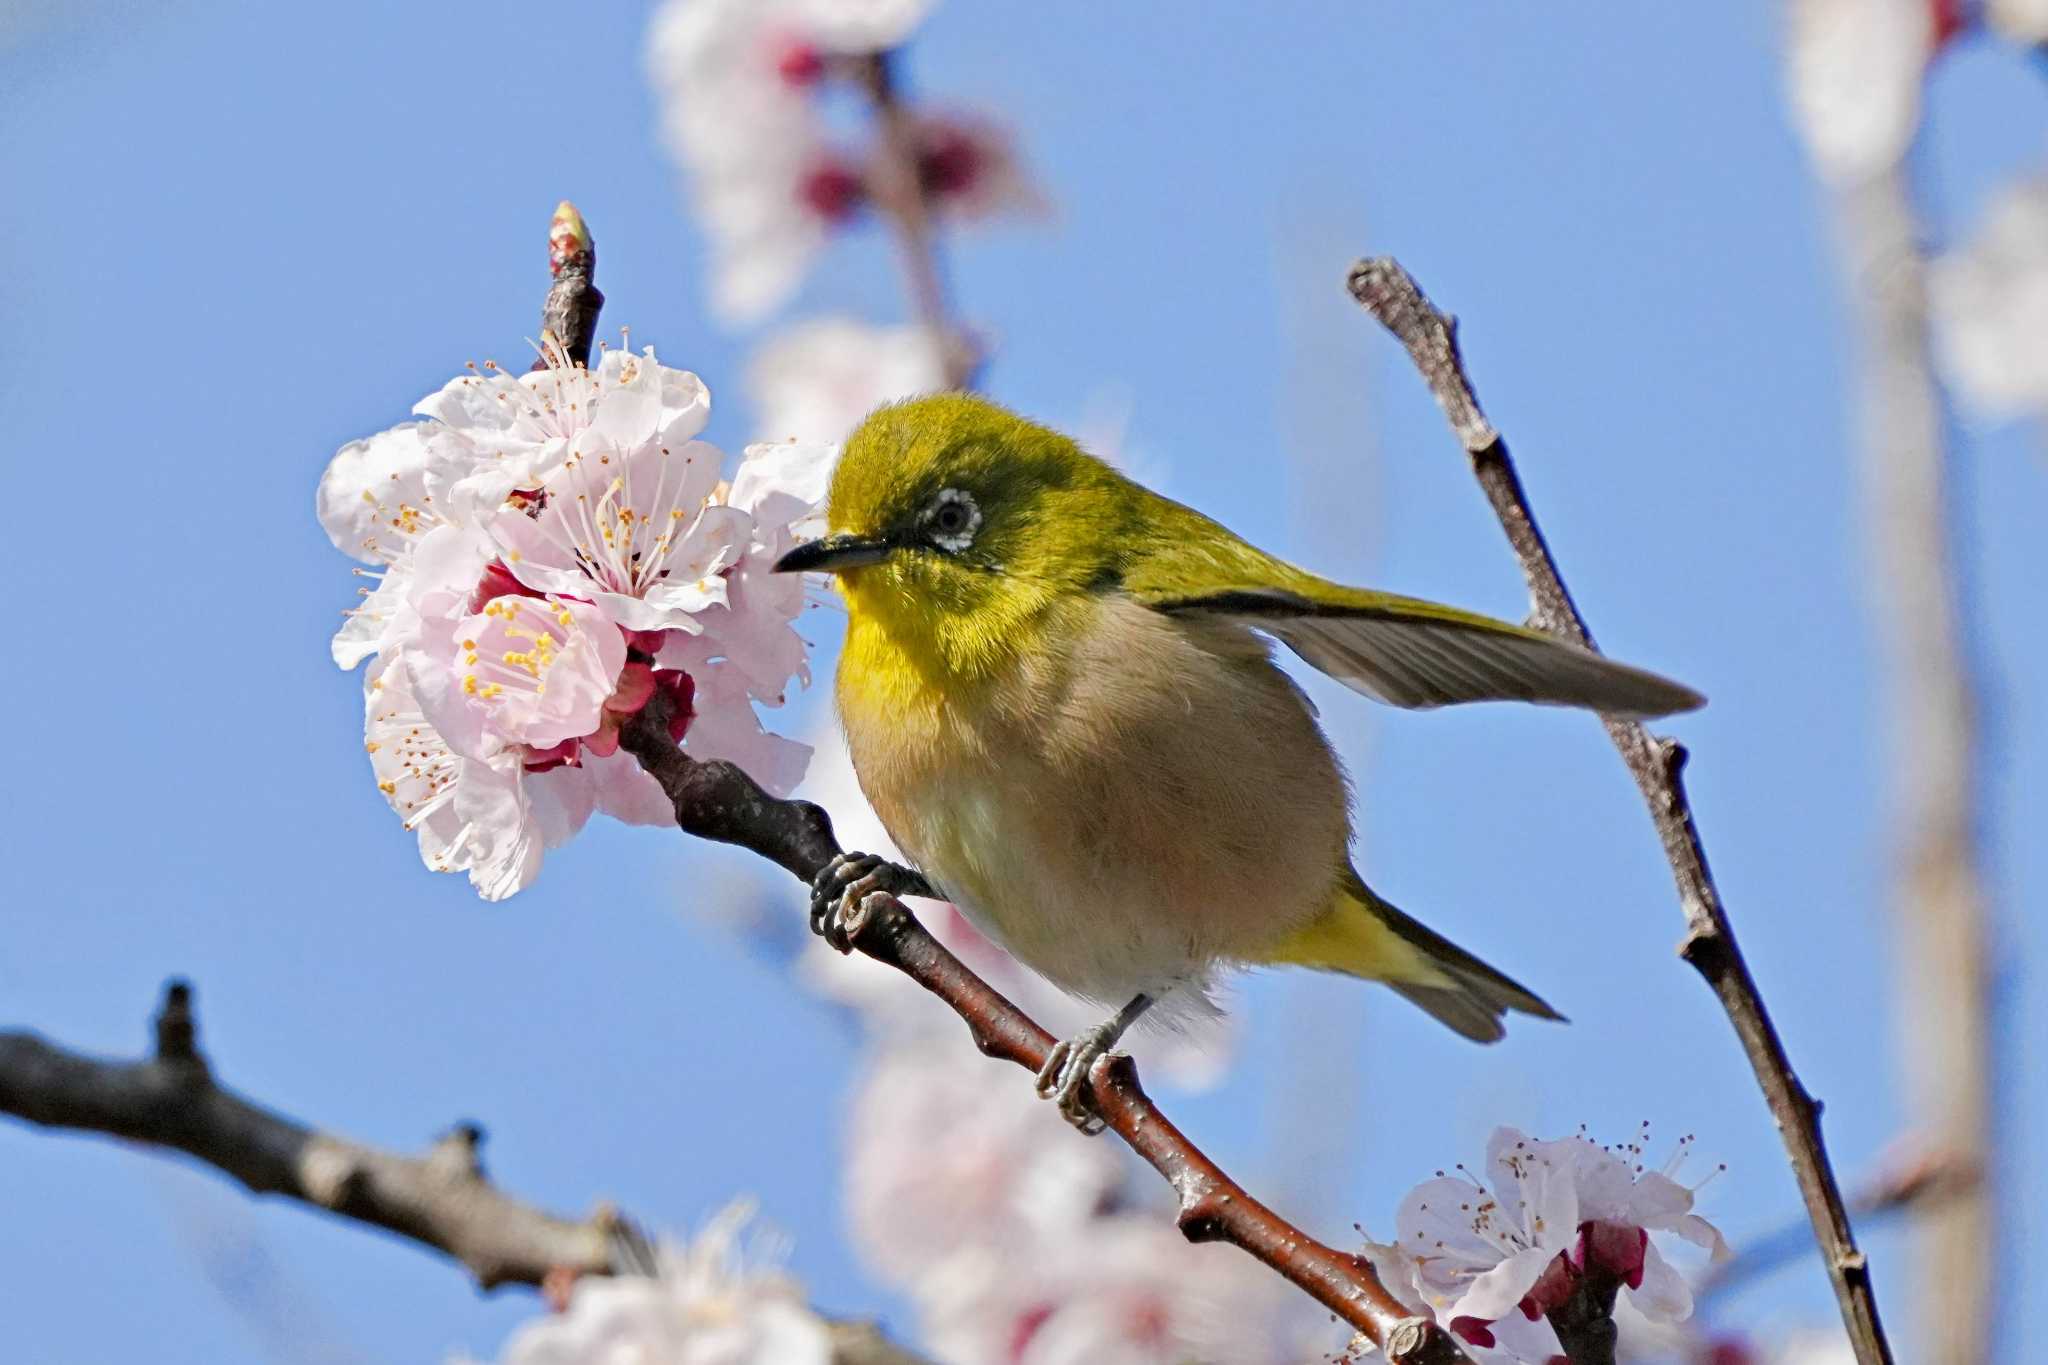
(1988, 300)
(552, 551)
(742, 85)
(709, 1303)
(1492, 1259)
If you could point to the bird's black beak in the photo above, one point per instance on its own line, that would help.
(834, 553)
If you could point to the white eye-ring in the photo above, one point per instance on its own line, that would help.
(952, 520)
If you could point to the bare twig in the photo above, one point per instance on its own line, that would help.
(1388, 292)
(716, 800)
(1938, 895)
(896, 181)
(442, 1199)
(569, 314)
(1914, 1179)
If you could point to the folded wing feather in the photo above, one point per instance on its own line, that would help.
(1418, 654)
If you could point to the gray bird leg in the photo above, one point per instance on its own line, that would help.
(842, 883)
(1064, 1076)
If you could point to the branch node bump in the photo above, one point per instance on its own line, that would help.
(331, 1174)
(1406, 1339)
(459, 1151)
(177, 1027)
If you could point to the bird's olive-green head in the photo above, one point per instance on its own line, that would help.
(955, 520)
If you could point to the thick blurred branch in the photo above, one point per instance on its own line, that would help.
(1430, 336)
(716, 800)
(1913, 1179)
(897, 183)
(1939, 904)
(442, 1199)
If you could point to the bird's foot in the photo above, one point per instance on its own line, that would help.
(843, 883)
(1064, 1077)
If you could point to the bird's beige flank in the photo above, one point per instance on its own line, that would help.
(1059, 694)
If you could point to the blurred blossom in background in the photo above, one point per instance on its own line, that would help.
(821, 205)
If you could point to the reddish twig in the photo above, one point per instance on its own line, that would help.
(1430, 336)
(442, 1199)
(716, 800)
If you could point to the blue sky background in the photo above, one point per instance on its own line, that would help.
(235, 235)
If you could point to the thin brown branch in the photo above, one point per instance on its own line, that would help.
(442, 1199)
(718, 801)
(1939, 901)
(1430, 336)
(896, 183)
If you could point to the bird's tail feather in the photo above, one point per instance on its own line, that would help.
(1361, 935)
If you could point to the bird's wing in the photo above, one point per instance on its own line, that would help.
(1400, 650)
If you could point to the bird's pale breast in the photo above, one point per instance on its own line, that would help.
(1130, 800)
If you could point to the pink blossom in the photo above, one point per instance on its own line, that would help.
(556, 552)
(1492, 1258)
(709, 1304)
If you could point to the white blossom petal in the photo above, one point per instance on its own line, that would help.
(380, 620)
(1856, 68)
(373, 500)
(1664, 1295)
(1496, 1293)
(707, 1306)
(1989, 306)
(814, 381)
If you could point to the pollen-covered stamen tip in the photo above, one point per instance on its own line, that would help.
(542, 625)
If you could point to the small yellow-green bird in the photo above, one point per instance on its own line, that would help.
(1059, 694)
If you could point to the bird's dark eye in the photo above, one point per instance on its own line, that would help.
(952, 519)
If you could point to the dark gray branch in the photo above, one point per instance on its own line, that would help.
(1430, 336)
(442, 1198)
